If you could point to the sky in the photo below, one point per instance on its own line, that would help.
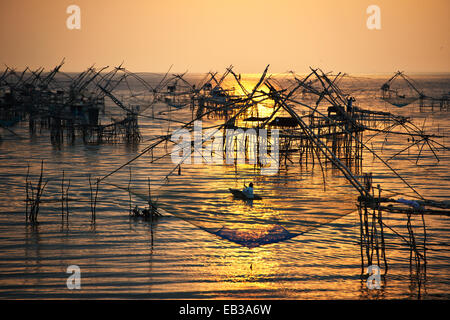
(204, 35)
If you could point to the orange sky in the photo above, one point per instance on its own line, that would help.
(203, 35)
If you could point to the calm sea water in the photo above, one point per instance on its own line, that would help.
(179, 255)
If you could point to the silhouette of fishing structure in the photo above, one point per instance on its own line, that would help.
(66, 105)
(397, 98)
(330, 131)
(401, 96)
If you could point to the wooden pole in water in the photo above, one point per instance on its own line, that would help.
(93, 198)
(151, 207)
(129, 191)
(40, 189)
(62, 197)
(27, 193)
(380, 222)
(361, 236)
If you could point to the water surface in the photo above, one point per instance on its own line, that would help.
(185, 254)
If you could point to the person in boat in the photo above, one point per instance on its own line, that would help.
(136, 211)
(146, 213)
(248, 191)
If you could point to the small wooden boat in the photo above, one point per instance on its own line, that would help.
(240, 195)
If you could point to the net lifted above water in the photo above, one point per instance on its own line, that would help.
(400, 90)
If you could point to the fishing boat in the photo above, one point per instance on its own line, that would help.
(240, 195)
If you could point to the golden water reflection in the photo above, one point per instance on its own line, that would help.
(177, 258)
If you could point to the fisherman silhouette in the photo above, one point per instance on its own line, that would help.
(248, 191)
